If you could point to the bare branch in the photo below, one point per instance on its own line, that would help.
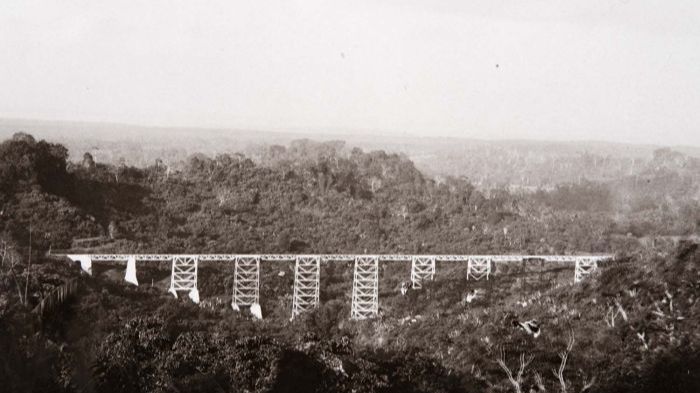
(11, 268)
(524, 362)
(28, 271)
(621, 310)
(564, 356)
(518, 380)
(572, 340)
(587, 384)
(610, 317)
(539, 382)
(642, 337)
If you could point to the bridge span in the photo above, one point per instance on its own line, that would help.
(365, 289)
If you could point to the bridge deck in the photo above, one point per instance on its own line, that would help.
(344, 257)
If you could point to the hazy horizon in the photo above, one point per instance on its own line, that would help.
(60, 129)
(609, 71)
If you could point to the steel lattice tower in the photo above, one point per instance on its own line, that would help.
(584, 267)
(422, 268)
(365, 288)
(246, 281)
(307, 272)
(184, 273)
(478, 267)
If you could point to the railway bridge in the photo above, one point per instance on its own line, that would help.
(365, 288)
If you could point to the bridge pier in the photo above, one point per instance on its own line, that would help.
(246, 281)
(422, 268)
(585, 266)
(184, 276)
(85, 262)
(130, 275)
(307, 273)
(365, 288)
(478, 268)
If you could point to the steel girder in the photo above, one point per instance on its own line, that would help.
(344, 257)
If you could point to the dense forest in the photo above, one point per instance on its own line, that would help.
(632, 327)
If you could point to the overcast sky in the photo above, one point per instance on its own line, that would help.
(621, 70)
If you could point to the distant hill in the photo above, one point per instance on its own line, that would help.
(520, 164)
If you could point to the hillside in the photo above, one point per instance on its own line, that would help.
(633, 325)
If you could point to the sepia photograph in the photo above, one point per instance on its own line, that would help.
(310, 196)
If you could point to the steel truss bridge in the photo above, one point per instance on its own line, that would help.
(307, 273)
